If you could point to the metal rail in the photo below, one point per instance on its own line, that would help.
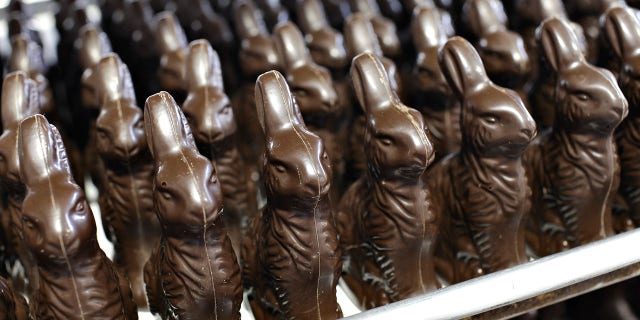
(530, 286)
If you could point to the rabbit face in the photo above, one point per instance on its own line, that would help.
(313, 89)
(630, 81)
(210, 115)
(504, 57)
(257, 55)
(429, 76)
(327, 48)
(495, 123)
(120, 130)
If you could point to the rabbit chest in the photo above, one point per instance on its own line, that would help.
(579, 178)
(88, 291)
(200, 278)
(129, 196)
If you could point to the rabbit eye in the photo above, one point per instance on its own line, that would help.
(139, 124)
(27, 222)
(325, 156)
(491, 119)
(582, 96)
(226, 109)
(213, 178)
(300, 93)
(385, 140)
(166, 195)
(280, 167)
(102, 134)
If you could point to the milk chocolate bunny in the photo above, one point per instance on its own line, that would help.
(387, 229)
(574, 167)
(193, 273)
(12, 304)
(94, 44)
(77, 280)
(19, 100)
(481, 192)
(326, 45)
(273, 12)
(587, 14)
(291, 259)
(431, 92)
(385, 29)
(172, 46)
(26, 56)
(210, 115)
(126, 191)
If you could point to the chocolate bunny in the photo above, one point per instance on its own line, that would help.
(77, 280)
(126, 191)
(273, 12)
(431, 91)
(316, 96)
(387, 229)
(326, 45)
(291, 259)
(384, 28)
(172, 46)
(502, 51)
(573, 167)
(19, 100)
(94, 44)
(12, 304)
(587, 14)
(210, 115)
(481, 192)
(193, 272)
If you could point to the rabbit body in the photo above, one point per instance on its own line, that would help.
(193, 272)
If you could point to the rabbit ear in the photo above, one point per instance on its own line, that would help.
(166, 127)
(484, 16)
(559, 44)
(203, 66)
(426, 28)
(369, 8)
(169, 34)
(359, 36)
(290, 45)
(41, 151)
(462, 66)
(276, 107)
(19, 98)
(26, 55)
(113, 80)
(311, 15)
(247, 20)
(94, 44)
(622, 30)
(371, 83)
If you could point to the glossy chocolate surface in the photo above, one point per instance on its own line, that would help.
(291, 258)
(77, 280)
(94, 44)
(384, 28)
(481, 192)
(326, 45)
(193, 272)
(172, 47)
(387, 230)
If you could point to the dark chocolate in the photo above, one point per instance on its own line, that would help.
(172, 47)
(12, 304)
(326, 45)
(384, 28)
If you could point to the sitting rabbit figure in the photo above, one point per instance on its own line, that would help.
(172, 46)
(326, 45)
(19, 100)
(77, 280)
(210, 115)
(126, 195)
(291, 258)
(313, 89)
(384, 28)
(12, 304)
(502, 51)
(481, 192)
(622, 32)
(193, 273)
(573, 167)
(430, 90)
(387, 229)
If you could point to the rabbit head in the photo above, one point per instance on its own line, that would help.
(172, 43)
(19, 100)
(273, 11)
(429, 35)
(94, 44)
(385, 29)
(622, 32)
(26, 55)
(396, 142)
(325, 44)
(310, 83)
(534, 12)
(186, 188)
(587, 98)
(494, 120)
(207, 107)
(503, 52)
(257, 52)
(56, 218)
(297, 170)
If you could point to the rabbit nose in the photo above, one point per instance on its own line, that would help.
(125, 149)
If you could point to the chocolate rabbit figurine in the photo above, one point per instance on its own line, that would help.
(273, 12)
(621, 30)
(587, 14)
(193, 273)
(19, 100)
(384, 28)
(210, 115)
(172, 46)
(291, 259)
(481, 192)
(94, 44)
(573, 167)
(326, 45)
(126, 195)
(12, 304)
(77, 280)
(316, 96)
(431, 91)
(26, 55)
(387, 230)
(502, 51)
